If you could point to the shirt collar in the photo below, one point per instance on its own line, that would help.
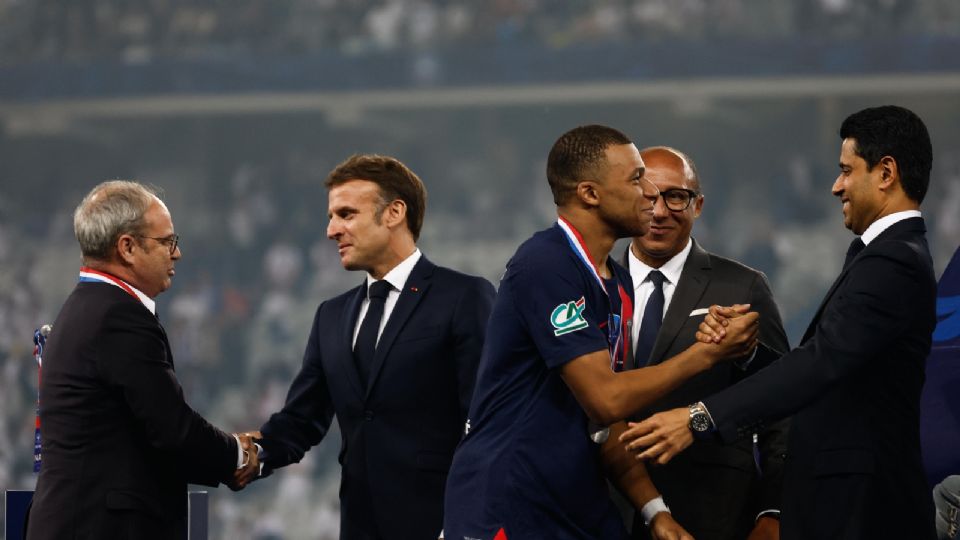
(397, 276)
(882, 224)
(670, 269)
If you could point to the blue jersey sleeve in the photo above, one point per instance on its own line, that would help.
(557, 303)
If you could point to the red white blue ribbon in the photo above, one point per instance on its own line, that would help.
(616, 330)
(88, 274)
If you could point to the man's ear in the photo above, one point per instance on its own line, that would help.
(588, 193)
(697, 206)
(889, 172)
(395, 213)
(125, 246)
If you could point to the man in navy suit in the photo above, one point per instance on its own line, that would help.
(854, 468)
(394, 359)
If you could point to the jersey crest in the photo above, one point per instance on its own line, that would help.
(568, 317)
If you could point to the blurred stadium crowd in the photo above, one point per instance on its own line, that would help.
(143, 29)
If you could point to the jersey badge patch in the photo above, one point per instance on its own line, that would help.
(568, 317)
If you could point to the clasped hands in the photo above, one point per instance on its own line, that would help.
(729, 332)
(250, 468)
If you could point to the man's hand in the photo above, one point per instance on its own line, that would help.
(713, 327)
(766, 528)
(733, 337)
(659, 437)
(251, 468)
(664, 527)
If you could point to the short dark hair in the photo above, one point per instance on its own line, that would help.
(896, 132)
(577, 154)
(395, 180)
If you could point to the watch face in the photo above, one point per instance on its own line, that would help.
(699, 421)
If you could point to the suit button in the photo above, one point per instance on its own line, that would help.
(368, 415)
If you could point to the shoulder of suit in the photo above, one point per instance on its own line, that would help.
(909, 251)
(726, 265)
(341, 298)
(107, 297)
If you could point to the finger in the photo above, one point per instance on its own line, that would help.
(665, 457)
(704, 338)
(640, 443)
(713, 326)
(635, 430)
(740, 308)
(654, 452)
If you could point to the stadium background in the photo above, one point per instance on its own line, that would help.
(237, 110)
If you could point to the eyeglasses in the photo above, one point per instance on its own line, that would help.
(678, 199)
(172, 241)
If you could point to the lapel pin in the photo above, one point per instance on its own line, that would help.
(414, 289)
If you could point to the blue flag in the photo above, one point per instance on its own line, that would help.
(940, 402)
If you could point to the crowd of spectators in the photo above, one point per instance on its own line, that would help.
(144, 30)
(247, 198)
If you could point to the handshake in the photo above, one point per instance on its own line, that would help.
(251, 467)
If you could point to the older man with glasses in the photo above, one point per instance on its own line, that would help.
(120, 443)
(714, 491)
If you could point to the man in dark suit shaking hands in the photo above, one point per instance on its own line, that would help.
(675, 279)
(854, 470)
(394, 359)
(119, 442)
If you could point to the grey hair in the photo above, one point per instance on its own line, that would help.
(111, 209)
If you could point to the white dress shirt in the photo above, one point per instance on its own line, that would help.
(397, 277)
(643, 287)
(882, 224)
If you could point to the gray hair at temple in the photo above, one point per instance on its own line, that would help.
(111, 209)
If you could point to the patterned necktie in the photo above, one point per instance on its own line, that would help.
(652, 319)
(855, 247)
(366, 346)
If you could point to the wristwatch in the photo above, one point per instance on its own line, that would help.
(700, 422)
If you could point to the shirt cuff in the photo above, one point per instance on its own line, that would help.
(239, 452)
(773, 513)
(652, 508)
(713, 425)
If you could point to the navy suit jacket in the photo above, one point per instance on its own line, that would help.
(692, 481)
(853, 468)
(399, 432)
(119, 441)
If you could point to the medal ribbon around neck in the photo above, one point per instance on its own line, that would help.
(618, 352)
(89, 274)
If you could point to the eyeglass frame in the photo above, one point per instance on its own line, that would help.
(173, 240)
(692, 193)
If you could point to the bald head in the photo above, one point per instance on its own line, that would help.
(667, 157)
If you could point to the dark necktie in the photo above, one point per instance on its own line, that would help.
(652, 319)
(366, 344)
(855, 247)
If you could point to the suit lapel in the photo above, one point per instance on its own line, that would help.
(914, 225)
(693, 282)
(347, 325)
(413, 291)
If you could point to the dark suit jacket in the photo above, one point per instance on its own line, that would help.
(399, 433)
(713, 489)
(119, 442)
(854, 384)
